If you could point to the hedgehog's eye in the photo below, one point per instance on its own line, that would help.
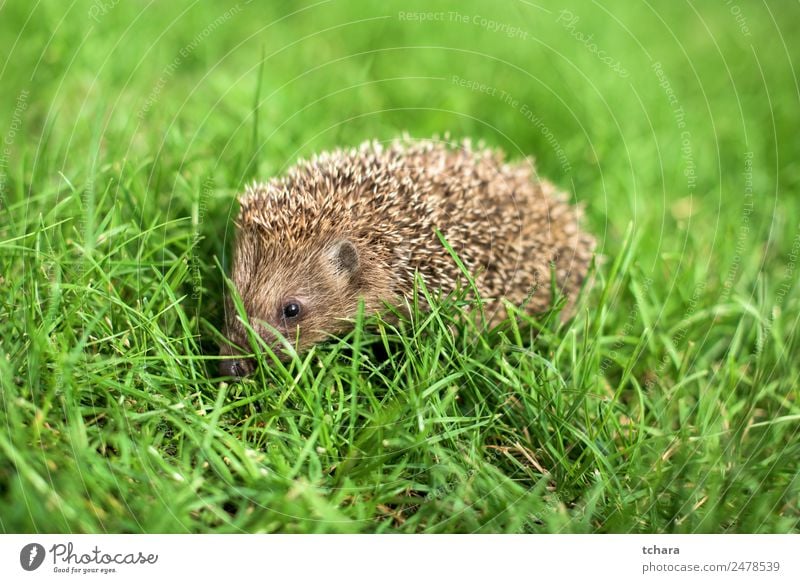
(291, 310)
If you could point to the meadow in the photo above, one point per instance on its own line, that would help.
(668, 403)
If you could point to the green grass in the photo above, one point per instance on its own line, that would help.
(668, 404)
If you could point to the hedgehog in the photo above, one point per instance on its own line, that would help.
(357, 225)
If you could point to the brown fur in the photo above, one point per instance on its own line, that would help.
(359, 223)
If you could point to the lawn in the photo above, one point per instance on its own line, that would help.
(668, 403)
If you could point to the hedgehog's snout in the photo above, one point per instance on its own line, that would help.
(236, 367)
(234, 363)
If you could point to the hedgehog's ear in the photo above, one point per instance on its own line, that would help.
(344, 258)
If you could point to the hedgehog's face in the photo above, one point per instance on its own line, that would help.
(299, 297)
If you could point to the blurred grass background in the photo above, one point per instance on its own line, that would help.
(668, 405)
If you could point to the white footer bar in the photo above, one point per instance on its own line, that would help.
(400, 558)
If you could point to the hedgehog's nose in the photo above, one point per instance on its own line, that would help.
(235, 367)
